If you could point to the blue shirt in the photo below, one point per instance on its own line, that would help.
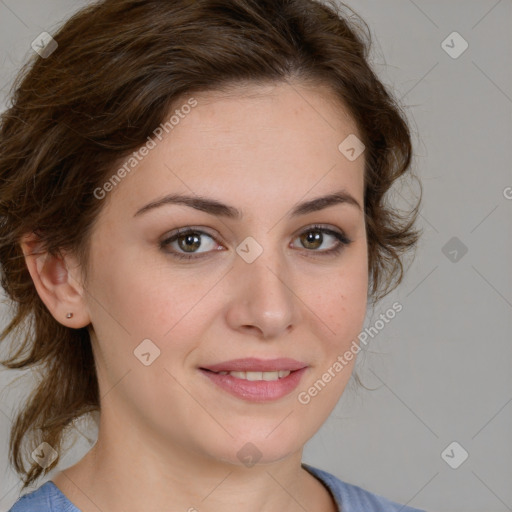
(348, 497)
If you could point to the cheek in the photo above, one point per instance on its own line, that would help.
(342, 309)
(342, 302)
(140, 295)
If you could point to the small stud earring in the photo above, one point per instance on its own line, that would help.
(69, 315)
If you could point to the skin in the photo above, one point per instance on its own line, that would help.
(168, 438)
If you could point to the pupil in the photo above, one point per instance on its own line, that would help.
(189, 241)
(313, 236)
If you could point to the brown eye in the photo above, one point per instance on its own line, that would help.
(315, 236)
(312, 239)
(187, 244)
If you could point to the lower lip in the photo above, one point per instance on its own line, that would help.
(256, 390)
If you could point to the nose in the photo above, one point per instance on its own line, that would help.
(263, 300)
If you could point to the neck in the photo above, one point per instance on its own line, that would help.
(120, 473)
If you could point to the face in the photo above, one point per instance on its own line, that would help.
(272, 283)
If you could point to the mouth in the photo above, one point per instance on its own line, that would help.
(252, 376)
(256, 365)
(256, 380)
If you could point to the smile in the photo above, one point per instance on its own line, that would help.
(254, 376)
(255, 386)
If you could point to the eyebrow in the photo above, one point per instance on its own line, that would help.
(214, 207)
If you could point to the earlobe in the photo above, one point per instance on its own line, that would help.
(56, 285)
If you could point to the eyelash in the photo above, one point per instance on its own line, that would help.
(343, 241)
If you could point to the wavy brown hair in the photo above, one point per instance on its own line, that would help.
(119, 68)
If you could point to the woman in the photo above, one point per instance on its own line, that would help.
(193, 219)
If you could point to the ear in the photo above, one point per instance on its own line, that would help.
(57, 282)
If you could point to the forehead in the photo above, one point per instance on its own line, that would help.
(249, 103)
(254, 142)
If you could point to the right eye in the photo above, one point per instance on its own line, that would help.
(187, 240)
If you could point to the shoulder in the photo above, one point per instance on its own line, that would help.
(45, 498)
(36, 500)
(352, 498)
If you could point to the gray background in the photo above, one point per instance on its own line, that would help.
(441, 367)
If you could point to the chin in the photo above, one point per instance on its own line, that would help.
(257, 447)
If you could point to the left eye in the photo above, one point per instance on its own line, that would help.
(314, 237)
(189, 241)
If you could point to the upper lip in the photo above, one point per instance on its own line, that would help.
(253, 364)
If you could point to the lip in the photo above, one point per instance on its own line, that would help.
(256, 390)
(253, 364)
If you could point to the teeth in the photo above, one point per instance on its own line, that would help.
(258, 375)
(251, 375)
